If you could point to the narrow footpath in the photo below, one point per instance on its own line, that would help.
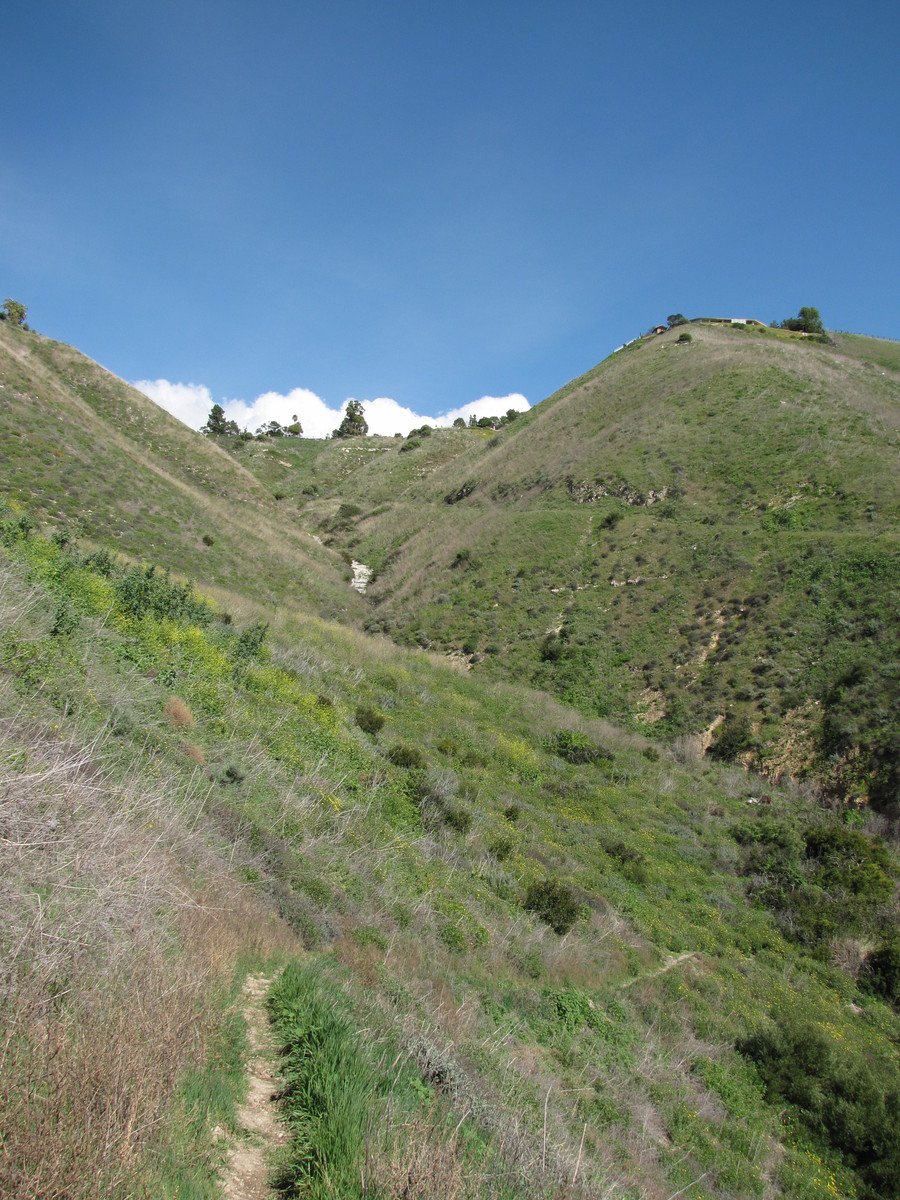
(246, 1172)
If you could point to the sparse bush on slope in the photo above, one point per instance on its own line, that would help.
(554, 903)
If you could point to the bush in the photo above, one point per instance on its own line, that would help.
(501, 847)
(142, 591)
(554, 903)
(821, 882)
(846, 1103)
(456, 817)
(369, 719)
(683, 338)
(178, 713)
(402, 755)
(249, 642)
(576, 748)
(880, 973)
(734, 738)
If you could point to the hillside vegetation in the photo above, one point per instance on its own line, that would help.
(688, 532)
(78, 445)
(518, 951)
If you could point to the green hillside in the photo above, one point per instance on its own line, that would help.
(685, 533)
(78, 445)
(512, 950)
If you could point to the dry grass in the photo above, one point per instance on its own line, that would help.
(111, 957)
(179, 713)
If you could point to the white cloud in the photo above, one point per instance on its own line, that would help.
(191, 402)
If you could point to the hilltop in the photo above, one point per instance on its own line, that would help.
(517, 951)
(688, 535)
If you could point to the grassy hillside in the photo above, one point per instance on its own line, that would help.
(542, 923)
(688, 532)
(518, 952)
(78, 445)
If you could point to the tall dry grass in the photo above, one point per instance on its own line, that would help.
(113, 956)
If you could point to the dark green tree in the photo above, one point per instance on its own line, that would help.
(13, 311)
(354, 422)
(217, 425)
(459, 423)
(807, 320)
(676, 319)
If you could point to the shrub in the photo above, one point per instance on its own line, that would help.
(369, 719)
(575, 747)
(207, 539)
(249, 642)
(735, 737)
(881, 972)
(460, 493)
(65, 620)
(569, 1007)
(822, 881)
(143, 591)
(453, 938)
(683, 338)
(512, 812)
(456, 817)
(178, 713)
(553, 902)
(403, 755)
(845, 1102)
(500, 847)
(413, 445)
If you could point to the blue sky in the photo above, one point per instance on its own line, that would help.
(435, 203)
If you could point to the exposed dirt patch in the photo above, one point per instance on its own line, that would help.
(651, 706)
(246, 1171)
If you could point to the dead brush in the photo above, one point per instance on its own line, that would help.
(179, 713)
(109, 960)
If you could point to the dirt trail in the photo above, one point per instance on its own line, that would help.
(670, 963)
(246, 1171)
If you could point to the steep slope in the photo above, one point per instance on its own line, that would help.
(550, 957)
(688, 532)
(78, 445)
(545, 955)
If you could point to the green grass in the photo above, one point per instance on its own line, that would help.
(340, 838)
(689, 520)
(79, 447)
(326, 1092)
(397, 811)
